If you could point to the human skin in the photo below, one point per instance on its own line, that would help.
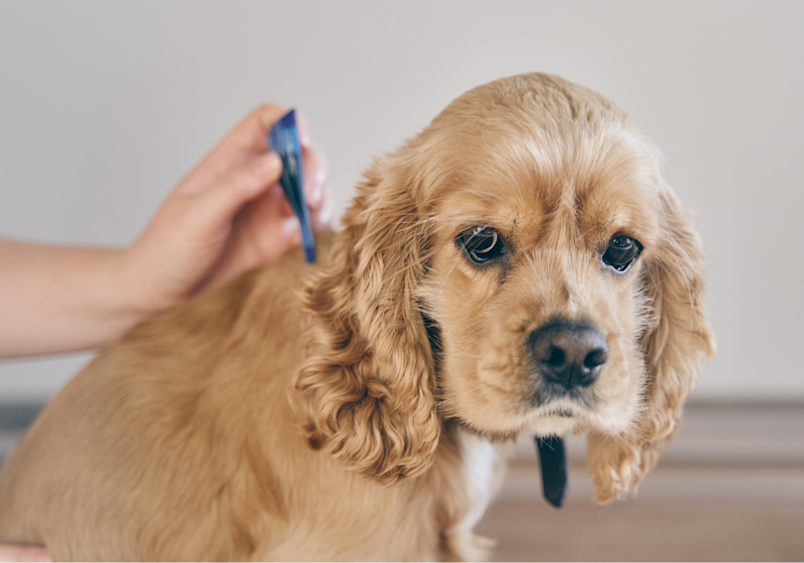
(227, 216)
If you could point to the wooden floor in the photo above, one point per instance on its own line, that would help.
(730, 488)
(674, 518)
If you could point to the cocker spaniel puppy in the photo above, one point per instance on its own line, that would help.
(519, 266)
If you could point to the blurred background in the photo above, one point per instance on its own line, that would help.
(105, 106)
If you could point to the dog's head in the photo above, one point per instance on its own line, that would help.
(518, 266)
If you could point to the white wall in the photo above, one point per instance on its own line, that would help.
(105, 105)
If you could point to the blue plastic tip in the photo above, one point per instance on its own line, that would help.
(309, 254)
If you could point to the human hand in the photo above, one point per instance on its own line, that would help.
(10, 552)
(227, 216)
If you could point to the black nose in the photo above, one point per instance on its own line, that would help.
(569, 354)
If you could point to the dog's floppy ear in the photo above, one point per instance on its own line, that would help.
(367, 385)
(676, 335)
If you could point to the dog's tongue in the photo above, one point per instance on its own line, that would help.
(555, 470)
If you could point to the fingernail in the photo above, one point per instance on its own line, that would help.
(324, 216)
(314, 192)
(290, 227)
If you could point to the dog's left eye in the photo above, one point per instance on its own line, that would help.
(621, 253)
(482, 244)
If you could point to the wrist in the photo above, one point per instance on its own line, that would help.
(133, 298)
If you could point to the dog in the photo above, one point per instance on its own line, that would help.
(518, 266)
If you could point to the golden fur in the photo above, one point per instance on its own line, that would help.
(361, 417)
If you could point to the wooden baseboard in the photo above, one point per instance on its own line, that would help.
(721, 434)
(729, 434)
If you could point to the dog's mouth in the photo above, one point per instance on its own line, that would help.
(548, 400)
(559, 417)
(562, 408)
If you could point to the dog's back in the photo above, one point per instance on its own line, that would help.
(180, 443)
(156, 445)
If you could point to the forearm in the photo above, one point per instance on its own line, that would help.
(61, 299)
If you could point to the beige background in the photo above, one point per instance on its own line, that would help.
(104, 106)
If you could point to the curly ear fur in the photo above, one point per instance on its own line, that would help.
(367, 385)
(676, 335)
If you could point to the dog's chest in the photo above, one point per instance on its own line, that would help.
(471, 471)
(482, 469)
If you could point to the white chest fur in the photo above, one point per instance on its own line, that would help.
(483, 467)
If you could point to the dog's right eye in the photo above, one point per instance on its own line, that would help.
(621, 253)
(482, 244)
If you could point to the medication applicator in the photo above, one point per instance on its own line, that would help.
(284, 139)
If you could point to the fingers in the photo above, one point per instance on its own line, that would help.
(303, 127)
(281, 229)
(322, 217)
(319, 197)
(241, 169)
(267, 115)
(315, 176)
(23, 553)
(265, 229)
(244, 143)
(250, 135)
(316, 170)
(218, 205)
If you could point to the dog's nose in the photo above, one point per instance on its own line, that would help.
(568, 353)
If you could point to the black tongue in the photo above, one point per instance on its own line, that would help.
(555, 470)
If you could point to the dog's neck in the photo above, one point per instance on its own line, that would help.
(434, 337)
